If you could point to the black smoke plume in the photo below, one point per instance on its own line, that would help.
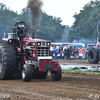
(34, 7)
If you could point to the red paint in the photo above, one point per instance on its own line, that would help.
(41, 64)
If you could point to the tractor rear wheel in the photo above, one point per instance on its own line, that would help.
(56, 76)
(93, 56)
(8, 61)
(27, 72)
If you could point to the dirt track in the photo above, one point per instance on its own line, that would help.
(76, 62)
(71, 87)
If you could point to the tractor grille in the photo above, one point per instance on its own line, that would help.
(42, 51)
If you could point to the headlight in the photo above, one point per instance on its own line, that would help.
(38, 43)
(48, 44)
(33, 43)
(9, 40)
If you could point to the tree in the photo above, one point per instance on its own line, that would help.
(65, 35)
(7, 18)
(83, 27)
(49, 28)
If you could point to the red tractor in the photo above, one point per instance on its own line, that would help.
(26, 57)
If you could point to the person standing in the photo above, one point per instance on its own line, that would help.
(69, 52)
(56, 52)
(85, 52)
(80, 53)
(60, 49)
(66, 52)
(98, 44)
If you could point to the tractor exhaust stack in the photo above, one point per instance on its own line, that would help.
(33, 34)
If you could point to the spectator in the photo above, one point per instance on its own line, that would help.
(60, 49)
(80, 53)
(69, 53)
(71, 50)
(51, 50)
(56, 52)
(66, 52)
(85, 52)
(98, 44)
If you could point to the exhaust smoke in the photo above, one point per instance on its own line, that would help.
(34, 7)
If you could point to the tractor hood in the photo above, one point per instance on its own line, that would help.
(29, 41)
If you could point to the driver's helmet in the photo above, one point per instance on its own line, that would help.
(21, 26)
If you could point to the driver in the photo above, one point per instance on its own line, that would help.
(21, 32)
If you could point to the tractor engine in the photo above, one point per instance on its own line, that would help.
(37, 53)
(27, 57)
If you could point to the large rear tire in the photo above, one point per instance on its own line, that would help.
(93, 56)
(27, 73)
(8, 61)
(56, 76)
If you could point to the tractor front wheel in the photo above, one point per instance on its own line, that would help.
(27, 72)
(56, 76)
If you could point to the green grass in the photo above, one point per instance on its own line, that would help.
(80, 71)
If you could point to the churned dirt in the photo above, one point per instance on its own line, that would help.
(73, 86)
(76, 62)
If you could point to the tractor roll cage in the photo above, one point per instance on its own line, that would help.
(26, 26)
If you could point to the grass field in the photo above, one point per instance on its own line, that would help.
(80, 71)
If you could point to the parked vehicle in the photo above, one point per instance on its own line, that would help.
(88, 46)
(74, 52)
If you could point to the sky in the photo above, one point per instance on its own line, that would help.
(65, 9)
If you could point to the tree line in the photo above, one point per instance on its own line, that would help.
(50, 27)
(85, 24)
